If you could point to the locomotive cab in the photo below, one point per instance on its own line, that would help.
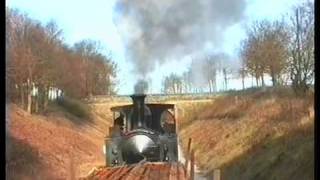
(141, 132)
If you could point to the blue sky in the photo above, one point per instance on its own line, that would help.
(94, 20)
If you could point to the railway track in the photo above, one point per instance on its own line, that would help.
(146, 171)
(141, 171)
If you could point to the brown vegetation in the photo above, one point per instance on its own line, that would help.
(282, 49)
(38, 62)
(42, 147)
(75, 107)
(245, 135)
(265, 51)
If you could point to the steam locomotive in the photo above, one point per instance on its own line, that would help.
(142, 132)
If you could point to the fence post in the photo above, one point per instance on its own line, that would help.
(176, 114)
(192, 165)
(189, 144)
(188, 153)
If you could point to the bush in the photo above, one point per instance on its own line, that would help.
(75, 107)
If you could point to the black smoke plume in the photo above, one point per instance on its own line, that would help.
(163, 30)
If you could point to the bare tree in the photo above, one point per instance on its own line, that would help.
(302, 47)
(187, 81)
(23, 62)
(172, 84)
(210, 69)
(226, 67)
(37, 59)
(242, 72)
(252, 57)
(274, 49)
(265, 50)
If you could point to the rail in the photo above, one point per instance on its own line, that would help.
(148, 170)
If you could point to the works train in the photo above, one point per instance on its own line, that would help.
(142, 131)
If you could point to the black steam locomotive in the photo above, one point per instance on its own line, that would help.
(142, 132)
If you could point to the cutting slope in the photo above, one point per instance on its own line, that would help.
(264, 135)
(45, 146)
(261, 135)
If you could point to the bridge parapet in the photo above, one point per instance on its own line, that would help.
(151, 97)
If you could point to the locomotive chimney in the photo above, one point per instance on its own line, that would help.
(138, 110)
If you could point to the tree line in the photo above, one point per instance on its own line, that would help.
(39, 61)
(201, 75)
(281, 49)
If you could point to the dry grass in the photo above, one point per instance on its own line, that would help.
(76, 108)
(230, 134)
(190, 110)
(290, 156)
(45, 144)
(56, 145)
(22, 160)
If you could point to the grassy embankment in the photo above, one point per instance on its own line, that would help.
(44, 146)
(260, 135)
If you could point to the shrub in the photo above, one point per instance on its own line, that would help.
(75, 107)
